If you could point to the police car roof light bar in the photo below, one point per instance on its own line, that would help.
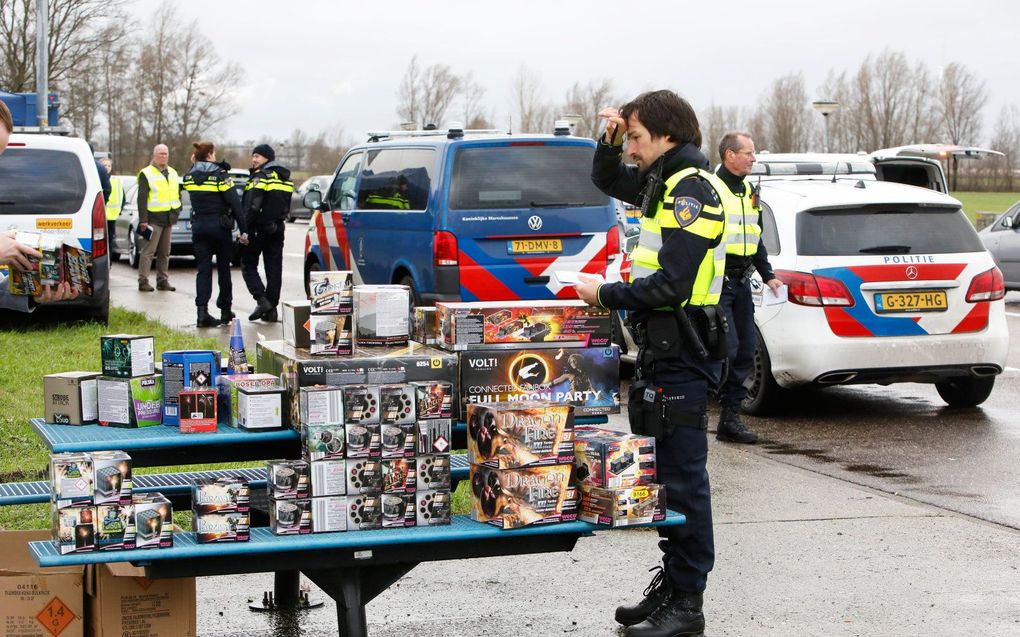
(375, 136)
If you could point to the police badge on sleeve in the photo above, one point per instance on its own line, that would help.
(686, 210)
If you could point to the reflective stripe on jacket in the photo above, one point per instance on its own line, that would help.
(743, 221)
(164, 192)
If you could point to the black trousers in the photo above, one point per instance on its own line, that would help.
(736, 302)
(268, 245)
(688, 551)
(211, 239)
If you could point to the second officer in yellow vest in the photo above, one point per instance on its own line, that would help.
(159, 205)
(115, 202)
(745, 254)
(673, 301)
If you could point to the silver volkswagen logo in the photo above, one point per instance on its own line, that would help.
(911, 272)
(535, 222)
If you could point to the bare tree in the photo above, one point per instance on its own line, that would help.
(1006, 139)
(471, 96)
(786, 115)
(426, 94)
(716, 122)
(533, 114)
(961, 98)
(587, 100)
(408, 98)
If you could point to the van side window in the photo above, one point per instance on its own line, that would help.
(342, 193)
(396, 179)
(769, 232)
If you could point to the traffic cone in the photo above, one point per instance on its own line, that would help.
(237, 363)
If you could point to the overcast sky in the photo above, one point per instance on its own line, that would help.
(320, 65)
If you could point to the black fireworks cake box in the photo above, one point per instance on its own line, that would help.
(518, 434)
(509, 324)
(512, 498)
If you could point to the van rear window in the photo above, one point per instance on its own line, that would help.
(35, 181)
(533, 176)
(885, 230)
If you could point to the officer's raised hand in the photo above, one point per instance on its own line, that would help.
(587, 289)
(616, 126)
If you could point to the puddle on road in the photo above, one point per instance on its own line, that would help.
(875, 471)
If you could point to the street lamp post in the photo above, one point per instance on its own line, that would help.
(826, 108)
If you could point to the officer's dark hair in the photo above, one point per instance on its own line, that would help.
(664, 113)
(203, 150)
(5, 117)
(731, 141)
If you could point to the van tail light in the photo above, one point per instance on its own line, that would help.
(612, 243)
(805, 288)
(987, 286)
(444, 248)
(99, 237)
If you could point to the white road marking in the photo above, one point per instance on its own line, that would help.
(1013, 314)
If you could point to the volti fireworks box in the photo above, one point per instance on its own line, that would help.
(261, 408)
(321, 405)
(113, 479)
(197, 411)
(508, 324)
(363, 440)
(512, 498)
(189, 369)
(587, 378)
(624, 506)
(331, 292)
(74, 529)
(331, 334)
(72, 478)
(226, 393)
(361, 404)
(518, 434)
(295, 323)
(71, 398)
(612, 459)
(291, 517)
(288, 479)
(130, 402)
(127, 355)
(382, 315)
(152, 525)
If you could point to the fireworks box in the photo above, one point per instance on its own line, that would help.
(399, 475)
(296, 315)
(74, 529)
(63, 261)
(329, 514)
(226, 393)
(71, 398)
(291, 517)
(625, 506)
(587, 378)
(433, 400)
(361, 404)
(130, 402)
(322, 442)
(512, 498)
(398, 441)
(288, 479)
(227, 494)
(197, 411)
(216, 528)
(518, 434)
(127, 355)
(153, 522)
(192, 369)
(321, 406)
(331, 292)
(364, 512)
(508, 324)
(611, 459)
(434, 436)
(433, 472)
(112, 524)
(329, 477)
(398, 510)
(396, 404)
(72, 478)
(375, 366)
(425, 326)
(363, 476)
(260, 408)
(331, 334)
(433, 507)
(382, 314)
(113, 481)
(363, 441)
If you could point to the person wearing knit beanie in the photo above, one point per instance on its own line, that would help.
(265, 150)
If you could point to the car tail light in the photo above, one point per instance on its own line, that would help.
(987, 286)
(99, 227)
(444, 248)
(625, 264)
(612, 243)
(808, 289)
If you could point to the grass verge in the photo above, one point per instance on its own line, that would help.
(992, 202)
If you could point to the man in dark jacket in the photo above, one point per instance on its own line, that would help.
(266, 206)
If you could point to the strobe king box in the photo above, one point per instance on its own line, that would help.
(587, 378)
(508, 324)
(518, 434)
(606, 458)
(512, 498)
(624, 506)
(71, 398)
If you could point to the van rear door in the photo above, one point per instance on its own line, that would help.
(919, 164)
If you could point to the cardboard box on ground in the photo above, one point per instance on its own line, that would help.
(38, 601)
(122, 601)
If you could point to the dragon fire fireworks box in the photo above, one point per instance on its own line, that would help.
(518, 434)
(288, 480)
(364, 512)
(322, 442)
(127, 355)
(193, 369)
(330, 477)
(331, 334)
(71, 398)
(227, 387)
(197, 411)
(433, 507)
(152, 524)
(587, 378)
(433, 472)
(296, 315)
(72, 478)
(625, 506)
(612, 459)
(382, 315)
(113, 480)
(221, 509)
(130, 402)
(508, 324)
(291, 517)
(425, 325)
(74, 529)
(512, 498)
(298, 368)
(398, 510)
(261, 408)
(329, 515)
(399, 475)
(433, 400)
(331, 292)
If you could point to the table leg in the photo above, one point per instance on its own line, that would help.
(352, 588)
(286, 587)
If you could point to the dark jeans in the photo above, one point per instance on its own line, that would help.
(736, 302)
(211, 239)
(270, 247)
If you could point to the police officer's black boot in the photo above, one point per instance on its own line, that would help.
(271, 316)
(205, 319)
(226, 316)
(262, 305)
(654, 594)
(731, 428)
(678, 615)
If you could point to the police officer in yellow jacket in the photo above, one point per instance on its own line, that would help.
(673, 298)
(745, 253)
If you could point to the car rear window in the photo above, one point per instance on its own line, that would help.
(885, 230)
(523, 176)
(35, 181)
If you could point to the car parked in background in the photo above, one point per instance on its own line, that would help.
(297, 198)
(1002, 239)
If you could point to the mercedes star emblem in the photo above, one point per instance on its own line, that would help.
(911, 272)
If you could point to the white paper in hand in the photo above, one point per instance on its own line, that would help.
(778, 297)
(569, 277)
